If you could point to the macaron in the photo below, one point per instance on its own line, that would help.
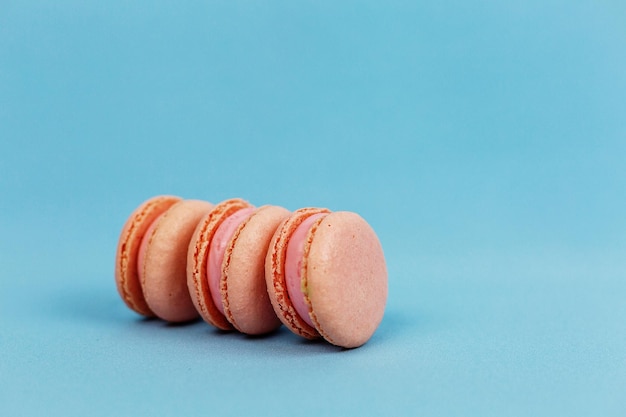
(226, 266)
(150, 265)
(126, 257)
(326, 276)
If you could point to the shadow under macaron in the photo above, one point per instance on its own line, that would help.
(280, 340)
(92, 305)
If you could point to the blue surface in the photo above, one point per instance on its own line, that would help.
(484, 141)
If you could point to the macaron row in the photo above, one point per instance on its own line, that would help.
(246, 268)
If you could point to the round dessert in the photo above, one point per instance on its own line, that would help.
(126, 257)
(225, 266)
(326, 276)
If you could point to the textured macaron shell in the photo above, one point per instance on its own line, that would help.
(246, 301)
(217, 247)
(345, 279)
(126, 258)
(197, 260)
(141, 256)
(275, 273)
(293, 267)
(164, 279)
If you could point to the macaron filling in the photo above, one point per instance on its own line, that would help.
(141, 256)
(293, 267)
(217, 250)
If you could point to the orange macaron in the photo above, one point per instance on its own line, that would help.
(326, 276)
(225, 266)
(127, 254)
(151, 270)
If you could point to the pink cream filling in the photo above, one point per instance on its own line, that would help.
(293, 267)
(217, 249)
(141, 256)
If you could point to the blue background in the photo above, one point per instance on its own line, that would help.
(484, 141)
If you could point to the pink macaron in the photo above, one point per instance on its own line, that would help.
(225, 266)
(326, 276)
(151, 269)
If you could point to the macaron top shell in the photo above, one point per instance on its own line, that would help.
(126, 258)
(246, 301)
(164, 279)
(345, 279)
(197, 258)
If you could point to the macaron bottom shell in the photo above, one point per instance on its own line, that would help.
(275, 277)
